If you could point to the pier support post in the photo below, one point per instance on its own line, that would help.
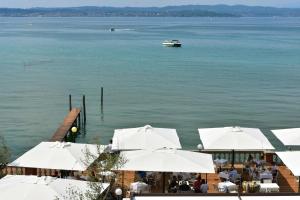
(84, 110)
(102, 98)
(70, 102)
(79, 121)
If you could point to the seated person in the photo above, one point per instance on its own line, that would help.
(255, 176)
(150, 179)
(142, 175)
(246, 169)
(108, 148)
(232, 174)
(180, 178)
(204, 186)
(261, 162)
(197, 184)
(274, 169)
(253, 168)
(184, 186)
(173, 185)
(57, 174)
(182, 175)
(250, 158)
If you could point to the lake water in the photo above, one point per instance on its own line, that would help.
(230, 71)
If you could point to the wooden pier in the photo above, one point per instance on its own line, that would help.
(60, 135)
(69, 121)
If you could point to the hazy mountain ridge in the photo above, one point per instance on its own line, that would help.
(169, 11)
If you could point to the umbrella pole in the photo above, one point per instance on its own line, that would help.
(298, 184)
(122, 180)
(163, 182)
(232, 162)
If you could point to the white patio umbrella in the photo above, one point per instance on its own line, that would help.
(270, 197)
(186, 197)
(35, 188)
(146, 137)
(167, 160)
(59, 155)
(234, 139)
(289, 137)
(291, 160)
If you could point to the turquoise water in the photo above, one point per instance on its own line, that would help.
(230, 71)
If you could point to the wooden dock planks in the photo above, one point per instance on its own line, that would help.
(67, 124)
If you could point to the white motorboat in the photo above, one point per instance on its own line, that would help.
(172, 43)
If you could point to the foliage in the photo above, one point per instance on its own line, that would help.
(169, 11)
(104, 162)
(4, 154)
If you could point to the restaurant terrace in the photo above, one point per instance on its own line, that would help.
(230, 163)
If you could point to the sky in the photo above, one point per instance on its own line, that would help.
(140, 3)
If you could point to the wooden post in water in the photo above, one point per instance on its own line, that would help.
(102, 98)
(79, 121)
(84, 110)
(70, 102)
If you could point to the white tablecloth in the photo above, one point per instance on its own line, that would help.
(106, 173)
(269, 187)
(265, 175)
(139, 187)
(222, 186)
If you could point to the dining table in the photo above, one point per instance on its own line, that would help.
(269, 187)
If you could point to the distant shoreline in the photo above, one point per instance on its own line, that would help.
(169, 11)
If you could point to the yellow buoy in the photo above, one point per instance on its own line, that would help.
(74, 129)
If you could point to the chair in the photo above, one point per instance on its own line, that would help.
(238, 179)
(150, 180)
(275, 178)
(215, 187)
(232, 189)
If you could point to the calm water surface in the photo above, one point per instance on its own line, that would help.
(230, 71)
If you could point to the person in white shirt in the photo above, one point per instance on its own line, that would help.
(108, 148)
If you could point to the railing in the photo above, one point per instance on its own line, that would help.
(241, 156)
